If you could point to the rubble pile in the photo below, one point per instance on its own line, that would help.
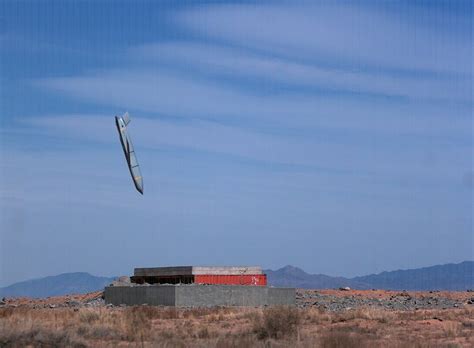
(331, 300)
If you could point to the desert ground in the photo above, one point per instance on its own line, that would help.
(322, 318)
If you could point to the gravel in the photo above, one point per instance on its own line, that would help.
(399, 301)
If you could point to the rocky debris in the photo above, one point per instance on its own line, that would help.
(392, 300)
(328, 300)
(122, 281)
(98, 302)
(72, 303)
(92, 299)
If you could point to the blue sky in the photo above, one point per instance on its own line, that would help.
(332, 135)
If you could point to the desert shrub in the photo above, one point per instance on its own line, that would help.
(317, 316)
(138, 316)
(82, 330)
(99, 332)
(277, 322)
(380, 315)
(240, 341)
(6, 312)
(342, 340)
(104, 333)
(204, 333)
(153, 312)
(199, 312)
(168, 334)
(451, 329)
(39, 338)
(89, 317)
(175, 342)
(145, 312)
(169, 313)
(253, 316)
(225, 325)
(137, 322)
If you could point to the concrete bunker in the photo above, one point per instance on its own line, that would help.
(194, 286)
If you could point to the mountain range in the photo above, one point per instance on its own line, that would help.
(452, 277)
(58, 285)
(458, 277)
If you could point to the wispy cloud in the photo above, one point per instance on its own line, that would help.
(338, 68)
(342, 34)
(227, 62)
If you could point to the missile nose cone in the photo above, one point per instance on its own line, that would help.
(139, 185)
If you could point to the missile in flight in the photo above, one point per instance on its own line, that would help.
(121, 122)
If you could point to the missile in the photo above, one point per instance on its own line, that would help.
(121, 122)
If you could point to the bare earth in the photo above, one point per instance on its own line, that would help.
(323, 318)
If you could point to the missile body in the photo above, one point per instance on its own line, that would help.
(121, 122)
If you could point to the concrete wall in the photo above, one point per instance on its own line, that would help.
(199, 295)
(163, 295)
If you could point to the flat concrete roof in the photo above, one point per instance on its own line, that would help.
(196, 270)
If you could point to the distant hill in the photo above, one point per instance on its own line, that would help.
(442, 277)
(290, 276)
(62, 284)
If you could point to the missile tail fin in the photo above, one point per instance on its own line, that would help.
(126, 118)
